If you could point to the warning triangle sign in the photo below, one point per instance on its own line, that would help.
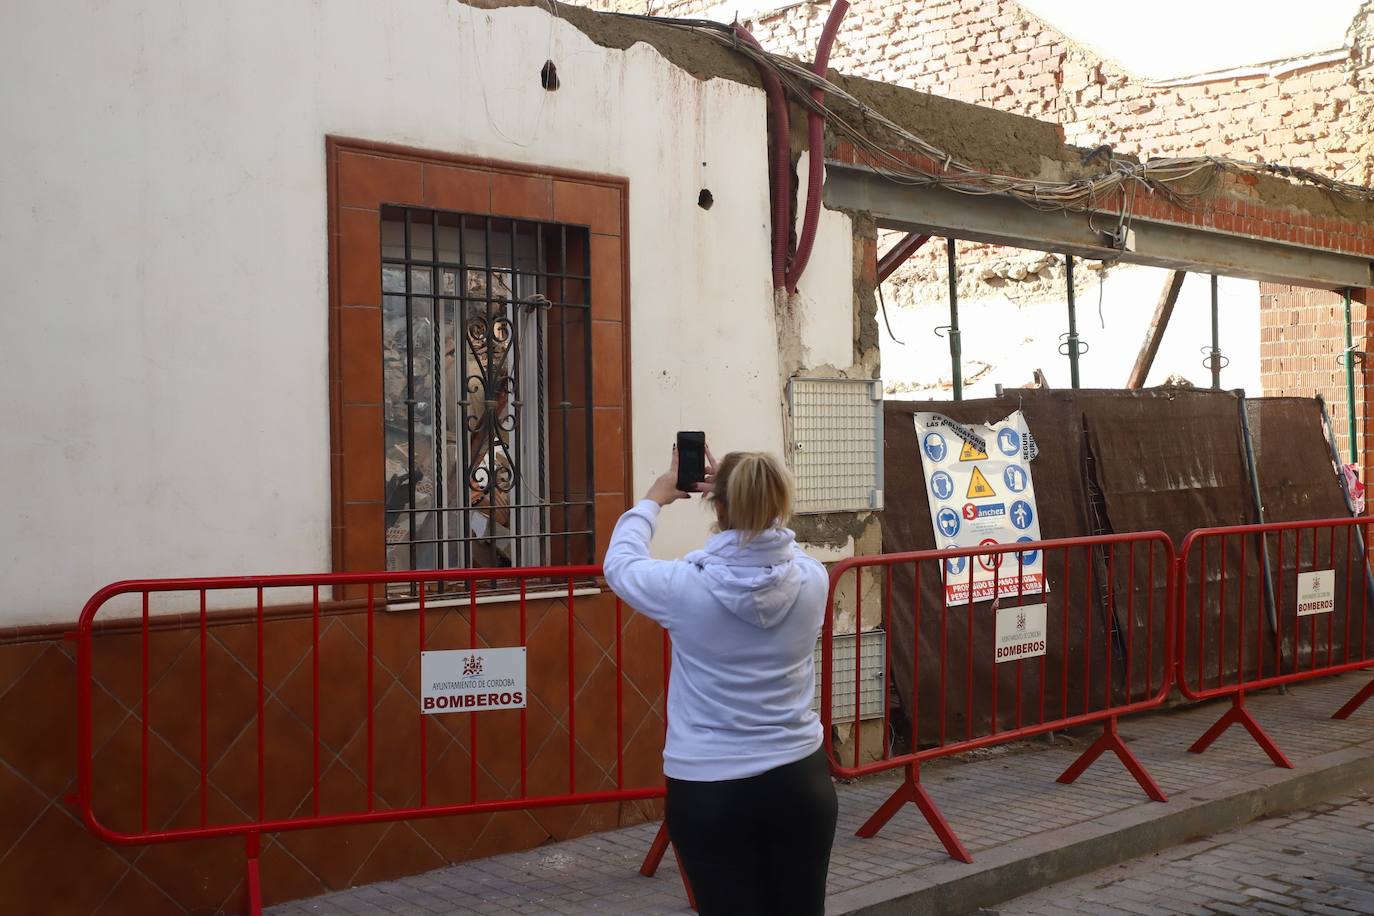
(978, 486)
(969, 453)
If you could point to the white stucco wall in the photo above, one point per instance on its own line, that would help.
(825, 293)
(162, 235)
(1016, 338)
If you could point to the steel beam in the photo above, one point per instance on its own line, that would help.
(1001, 220)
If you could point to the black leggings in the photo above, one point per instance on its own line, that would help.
(759, 845)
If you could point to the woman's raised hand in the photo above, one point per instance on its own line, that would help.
(664, 490)
(709, 484)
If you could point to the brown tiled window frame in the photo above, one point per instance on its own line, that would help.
(362, 177)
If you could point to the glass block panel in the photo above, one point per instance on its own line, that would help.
(836, 444)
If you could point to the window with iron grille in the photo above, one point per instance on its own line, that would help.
(486, 337)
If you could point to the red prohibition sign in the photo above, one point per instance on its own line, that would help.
(989, 562)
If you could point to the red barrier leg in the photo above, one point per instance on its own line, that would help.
(654, 858)
(1239, 714)
(1355, 702)
(1111, 741)
(253, 883)
(686, 885)
(656, 850)
(911, 790)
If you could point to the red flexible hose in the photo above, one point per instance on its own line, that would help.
(816, 147)
(782, 160)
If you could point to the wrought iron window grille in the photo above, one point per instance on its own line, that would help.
(487, 379)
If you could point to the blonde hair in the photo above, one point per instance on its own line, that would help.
(752, 493)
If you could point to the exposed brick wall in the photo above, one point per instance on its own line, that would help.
(1302, 334)
(994, 53)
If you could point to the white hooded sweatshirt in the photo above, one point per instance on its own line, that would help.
(744, 619)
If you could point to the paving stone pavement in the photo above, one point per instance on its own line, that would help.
(1316, 861)
(996, 796)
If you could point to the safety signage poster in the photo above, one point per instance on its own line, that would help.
(980, 491)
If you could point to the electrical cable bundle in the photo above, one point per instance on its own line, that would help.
(1180, 180)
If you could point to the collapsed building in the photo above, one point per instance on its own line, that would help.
(1305, 103)
(432, 288)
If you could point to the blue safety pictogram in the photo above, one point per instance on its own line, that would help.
(1009, 441)
(1030, 556)
(955, 565)
(1021, 514)
(948, 522)
(942, 485)
(1015, 478)
(935, 446)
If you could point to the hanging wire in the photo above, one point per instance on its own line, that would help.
(885, 321)
(1101, 285)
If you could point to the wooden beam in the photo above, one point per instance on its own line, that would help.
(899, 253)
(1155, 334)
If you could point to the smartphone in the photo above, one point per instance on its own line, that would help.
(691, 460)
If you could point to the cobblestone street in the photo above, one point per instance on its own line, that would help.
(1316, 861)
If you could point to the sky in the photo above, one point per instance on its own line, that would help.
(1163, 39)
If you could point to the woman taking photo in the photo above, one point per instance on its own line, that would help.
(750, 807)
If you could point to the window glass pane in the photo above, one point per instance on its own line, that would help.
(474, 240)
(500, 238)
(527, 248)
(421, 280)
(454, 441)
(421, 235)
(554, 262)
(448, 281)
(422, 361)
(450, 229)
(396, 434)
(393, 233)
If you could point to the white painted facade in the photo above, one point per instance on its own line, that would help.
(825, 293)
(163, 236)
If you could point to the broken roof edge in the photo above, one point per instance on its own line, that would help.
(1272, 68)
(1014, 146)
(998, 142)
(1002, 141)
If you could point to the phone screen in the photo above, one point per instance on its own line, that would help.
(691, 460)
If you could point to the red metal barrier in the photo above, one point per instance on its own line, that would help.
(1243, 596)
(1104, 650)
(405, 781)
